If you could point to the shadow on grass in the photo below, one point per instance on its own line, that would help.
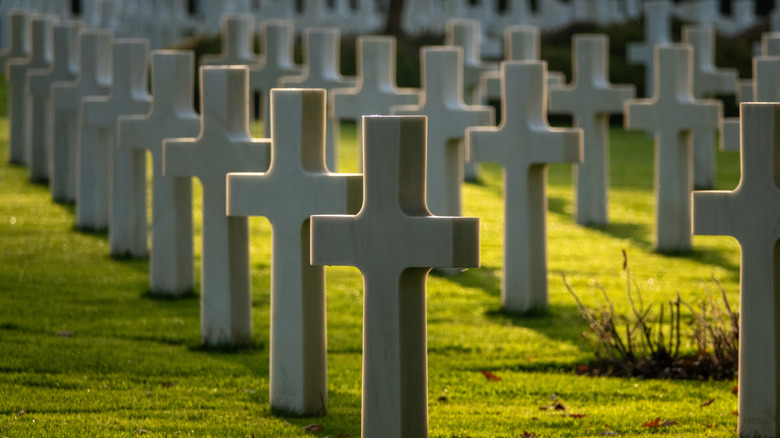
(164, 296)
(487, 279)
(228, 348)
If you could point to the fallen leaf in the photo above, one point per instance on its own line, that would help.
(344, 435)
(65, 333)
(667, 423)
(168, 384)
(735, 390)
(609, 433)
(490, 376)
(312, 428)
(558, 406)
(443, 399)
(534, 418)
(735, 413)
(141, 432)
(652, 423)
(577, 415)
(707, 403)
(528, 434)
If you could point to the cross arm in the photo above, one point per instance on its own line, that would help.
(94, 112)
(332, 238)
(714, 213)
(640, 114)
(557, 145)
(482, 145)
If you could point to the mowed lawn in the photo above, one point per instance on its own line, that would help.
(85, 350)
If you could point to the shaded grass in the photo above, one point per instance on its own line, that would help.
(128, 361)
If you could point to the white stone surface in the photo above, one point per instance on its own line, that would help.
(590, 99)
(237, 36)
(770, 44)
(124, 170)
(750, 214)
(671, 115)
(394, 240)
(731, 135)
(523, 145)
(18, 46)
(223, 145)
(322, 69)
(40, 57)
(171, 116)
(658, 31)
(276, 60)
(766, 79)
(296, 186)
(375, 91)
(64, 67)
(448, 117)
(94, 79)
(708, 81)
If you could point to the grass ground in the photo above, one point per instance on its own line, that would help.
(85, 351)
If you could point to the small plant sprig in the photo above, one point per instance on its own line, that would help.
(638, 346)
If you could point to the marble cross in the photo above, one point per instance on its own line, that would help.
(658, 31)
(237, 37)
(64, 68)
(750, 214)
(394, 241)
(94, 79)
(521, 43)
(122, 171)
(40, 57)
(375, 92)
(223, 145)
(467, 35)
(523, 145)
(171, 116)
(441, 100)
(278, 40)
(672, 114)
(590, 99)
(708, 81)
(296, 186)
(321, 69)
(19, 38)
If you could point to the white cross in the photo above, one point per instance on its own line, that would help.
(19, 43)
(448, 117)
(750, 214)
(224, 145)
(394, 240)
(64, 67)
(657, 32)
(237, 37)
(321, 69)
(278, 39)
(708, 81)
(590, 99)
(375, 92)
(40, 57)
(523, 145)
(521, 43)
(171, 116)
(671, 114)
(94, 79)
(296, 186)
(123, 171)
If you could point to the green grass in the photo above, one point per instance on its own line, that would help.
(133, 365)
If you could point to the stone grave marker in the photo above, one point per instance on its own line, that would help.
(121, 171)
(770, 44)
(296, 186)
(466, 34)
(750, 214)
(171, 116)
(521, 43)
(94, 79)
(394, 240)
(64, 67)
(590, 99)
(321, 69)
(523, 145)
(40, 58)
(237, 36)
(658, 31)
(18, 46)
(766, 86)
(223, 145)
(375, 92)
(672, 114)
(708, 81)
(276, 60)
(448, 117)
(731, 140)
